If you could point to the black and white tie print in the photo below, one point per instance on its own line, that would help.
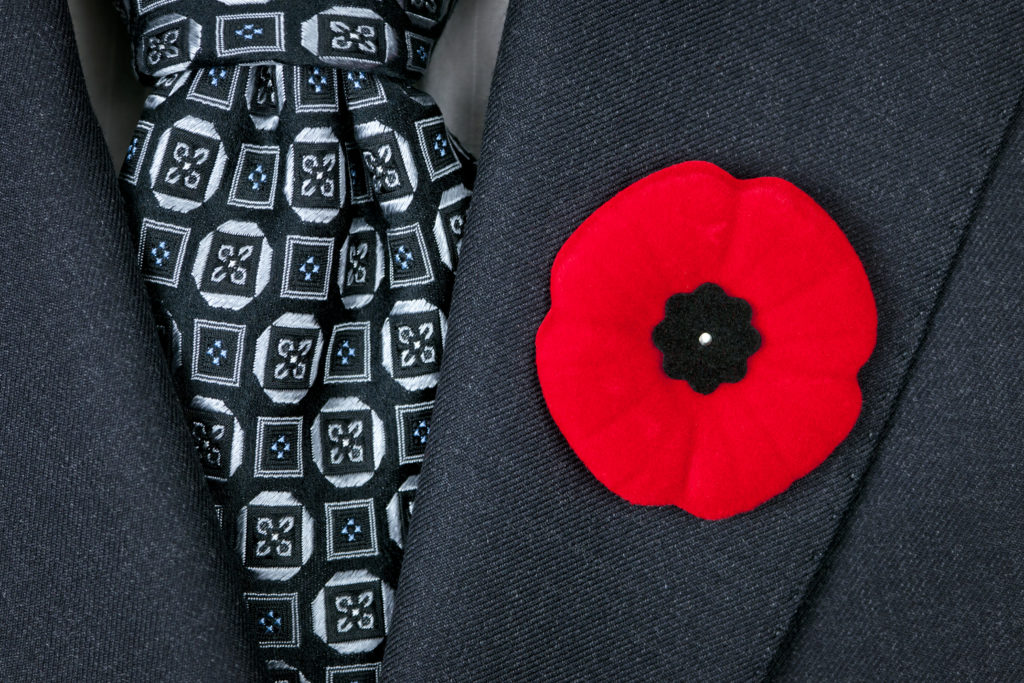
(299, 207)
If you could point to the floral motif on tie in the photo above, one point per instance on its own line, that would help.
(187, 160)
(299, 205)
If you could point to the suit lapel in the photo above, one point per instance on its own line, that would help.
(888, 116)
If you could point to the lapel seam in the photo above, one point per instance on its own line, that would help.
(818, 577)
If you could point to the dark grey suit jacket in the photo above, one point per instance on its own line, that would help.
(900, 558)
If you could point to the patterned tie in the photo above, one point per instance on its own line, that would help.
(299, 207)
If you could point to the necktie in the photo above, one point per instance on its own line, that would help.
(299, 207)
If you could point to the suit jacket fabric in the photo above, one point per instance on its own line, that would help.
(114, 567)
(899, 557)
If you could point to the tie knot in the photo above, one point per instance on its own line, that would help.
(392, 36)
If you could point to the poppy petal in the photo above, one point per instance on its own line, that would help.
(643, 453)
(583, 367)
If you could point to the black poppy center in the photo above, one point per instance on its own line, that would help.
(706, 337)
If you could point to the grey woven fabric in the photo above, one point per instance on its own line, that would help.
(925, 581)
(893, 117)
(114, 568)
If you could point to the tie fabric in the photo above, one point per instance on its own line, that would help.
(299, 207)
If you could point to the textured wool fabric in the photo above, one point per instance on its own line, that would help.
(891, 116)
(926, 584)
(299, 224)
(113, 566)
(804, 310)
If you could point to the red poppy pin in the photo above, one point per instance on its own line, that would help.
(704, 339)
